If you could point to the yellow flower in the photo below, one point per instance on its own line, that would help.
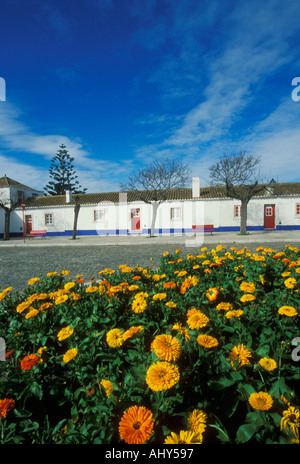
(70, 354)
(268, 364)
(207, 341)
(33, 312)
(162, 376)
(234, 313)
(166, 347)
(224, 306)
(197, 421)
(291, 421)
(65, 333)
(49, 274)
(196, 319)
(108, 387)
(261, 401)
(247, 297)
(91, 289)
(289, 311)
(61, 299)
(182, 273)
(182, 330)
(171, 304)
(33, 280)
(22, 306)
(139, 303)
(69, 285)
(115, 338)
(132, 331)
(159, 296)
(290, 282)
(183, 437)
(241, 354)
(131, 288)
(247, 287)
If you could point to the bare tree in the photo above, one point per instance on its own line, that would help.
(154, 183)
(241, 175)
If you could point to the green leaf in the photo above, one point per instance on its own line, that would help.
(36, 390)
(220, 384)
(245, 433)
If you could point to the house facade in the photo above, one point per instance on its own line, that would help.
(122, 213)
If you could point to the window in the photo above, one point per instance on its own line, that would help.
(297, 209)
(176, 213)
(49, 219)
(237, 210)
(99, 215)
(20, 196)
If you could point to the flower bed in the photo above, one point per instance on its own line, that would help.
(198, 351)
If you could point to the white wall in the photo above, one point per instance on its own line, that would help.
(117, 216)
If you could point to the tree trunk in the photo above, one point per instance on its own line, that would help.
(76, 213)
(155, 205)
(243, 227)
(6, 224)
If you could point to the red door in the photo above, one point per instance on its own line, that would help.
(28, 223)
(135, 219)
(269, 216)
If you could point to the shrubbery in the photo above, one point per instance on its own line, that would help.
(197, 351)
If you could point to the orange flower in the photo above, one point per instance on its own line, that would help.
(29, 362)
(136, 425)
(169, 285)
(6, 405)
(212, 294)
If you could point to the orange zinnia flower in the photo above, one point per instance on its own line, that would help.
(30, 361)
(136, 425)
(6, 405)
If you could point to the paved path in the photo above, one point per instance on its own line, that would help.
(88, 255)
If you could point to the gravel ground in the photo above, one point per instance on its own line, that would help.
(18, 265)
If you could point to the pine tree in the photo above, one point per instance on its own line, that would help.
(62, 174)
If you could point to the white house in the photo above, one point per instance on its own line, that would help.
(12, 193)
(122, 213)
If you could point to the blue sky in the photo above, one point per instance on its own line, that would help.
(123, 82)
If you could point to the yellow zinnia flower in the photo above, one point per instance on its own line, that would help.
(162, 376)
(234, 313)
(33, 280)
(65, 333)
(70, 354)
(207, 341)
(289, 311)
(115, 338)
(183, 437)
(261, 401)
(166, 347)
(247, 297)
(159, 296)
(291, 421)
(290, 282)
(108, 387)
(33, 312)
(247, 287)
(241, 354)
(197, 421)
(61, 299)
(268, 363)
(196, 319)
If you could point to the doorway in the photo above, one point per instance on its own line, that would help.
(269, 216)
(135, 219)
(28, 223)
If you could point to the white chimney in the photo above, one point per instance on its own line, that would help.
(196, 187)
(68, 196)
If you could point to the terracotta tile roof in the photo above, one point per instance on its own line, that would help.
(206, 193)
(8, 182)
